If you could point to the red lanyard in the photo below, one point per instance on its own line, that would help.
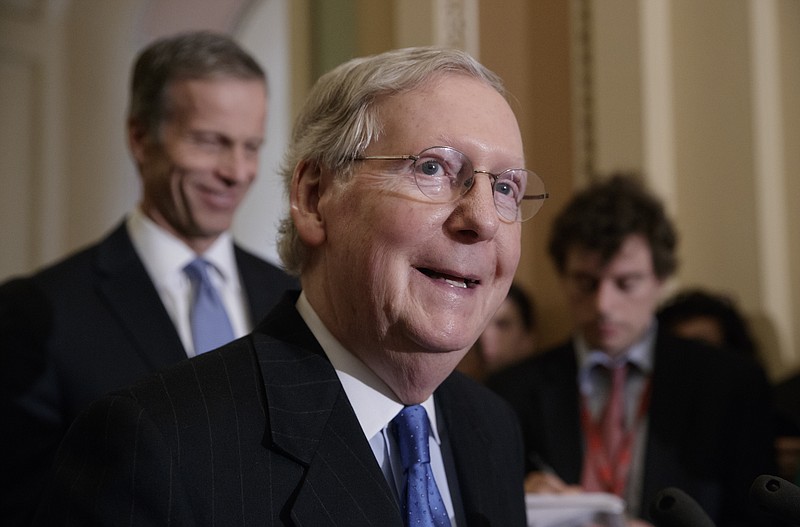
(611, 469)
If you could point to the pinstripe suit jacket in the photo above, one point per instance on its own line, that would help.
(260, 432)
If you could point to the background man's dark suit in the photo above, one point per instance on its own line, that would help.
(79, 329)
(708, 430)
(270, 440)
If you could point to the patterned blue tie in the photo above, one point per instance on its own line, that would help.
(422, 503)
(210, 325)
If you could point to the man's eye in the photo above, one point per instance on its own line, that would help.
(207, 141)
(627, 284)
(505, 188)
(430, 167)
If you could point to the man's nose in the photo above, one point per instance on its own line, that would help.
(606, 295)
(236, 165)
(477, 209)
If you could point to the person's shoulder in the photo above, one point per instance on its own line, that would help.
(715, 365)
(467, 387)
(211, 378)
(459, 390)
(255, 265)
(541, 363)
(248, 257)
(56, 280)
(74, 267)
(701, 354)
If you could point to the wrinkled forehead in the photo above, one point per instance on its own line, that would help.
(454, 110)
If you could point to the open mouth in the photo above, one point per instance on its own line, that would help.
(455, 281)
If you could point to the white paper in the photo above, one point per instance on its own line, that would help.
(587, 509)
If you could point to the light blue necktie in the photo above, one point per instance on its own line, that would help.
(422, 503)
(210, 325)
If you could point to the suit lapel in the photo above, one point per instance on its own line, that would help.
(311, 422)
(122, 282)
(252, 276)
(668, 404)
(470, 489)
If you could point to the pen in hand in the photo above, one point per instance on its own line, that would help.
(543, 478)
(538, 464)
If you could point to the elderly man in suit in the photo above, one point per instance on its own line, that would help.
(342, 407)
(125, 307)
(624, 407)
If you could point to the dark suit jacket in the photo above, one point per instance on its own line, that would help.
(77, 330)
(260, 432)
(708, 422)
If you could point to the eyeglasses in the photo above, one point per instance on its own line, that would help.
(444, 174)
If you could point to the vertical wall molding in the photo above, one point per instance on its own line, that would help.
(770, 172)
(583, 91)
(657, 100)
(457, 25)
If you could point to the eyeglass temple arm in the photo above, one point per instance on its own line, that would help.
(544, 195)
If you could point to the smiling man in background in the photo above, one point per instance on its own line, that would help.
(127, 306)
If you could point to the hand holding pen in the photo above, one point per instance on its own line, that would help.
(544, 480)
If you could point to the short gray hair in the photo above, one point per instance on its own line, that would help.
(191, 55)
(339, 119)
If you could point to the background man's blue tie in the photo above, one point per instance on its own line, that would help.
(211, 327)
(422, 503)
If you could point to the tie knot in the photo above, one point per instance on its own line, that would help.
(197, 271)
(411, 431)
(619, 370)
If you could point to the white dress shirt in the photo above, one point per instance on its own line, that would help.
(595, 389)
(375, 406)
(165, 256)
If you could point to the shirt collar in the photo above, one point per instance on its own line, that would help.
(640, 354)
(373, 402)
(164, 255)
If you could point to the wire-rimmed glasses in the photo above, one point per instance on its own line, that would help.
(443, 174)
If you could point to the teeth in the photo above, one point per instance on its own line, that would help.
(456, 283)
(463, 283)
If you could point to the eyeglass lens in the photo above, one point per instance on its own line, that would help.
(444, 174)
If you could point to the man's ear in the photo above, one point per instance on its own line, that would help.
(304, 198)
(137, 140)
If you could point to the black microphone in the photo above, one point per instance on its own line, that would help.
(672, 507)
(776, 496)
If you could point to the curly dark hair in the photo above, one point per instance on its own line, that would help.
(602, 216)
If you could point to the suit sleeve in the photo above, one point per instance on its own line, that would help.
(29, 404)
(114, 468)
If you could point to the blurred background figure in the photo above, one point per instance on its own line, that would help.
(711, 317)
(167, 283)
(509, 337)
(623, 406)
(715, 318)
(787, 445)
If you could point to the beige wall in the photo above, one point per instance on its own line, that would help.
(702, 97)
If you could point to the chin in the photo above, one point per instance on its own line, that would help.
(446, 342)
